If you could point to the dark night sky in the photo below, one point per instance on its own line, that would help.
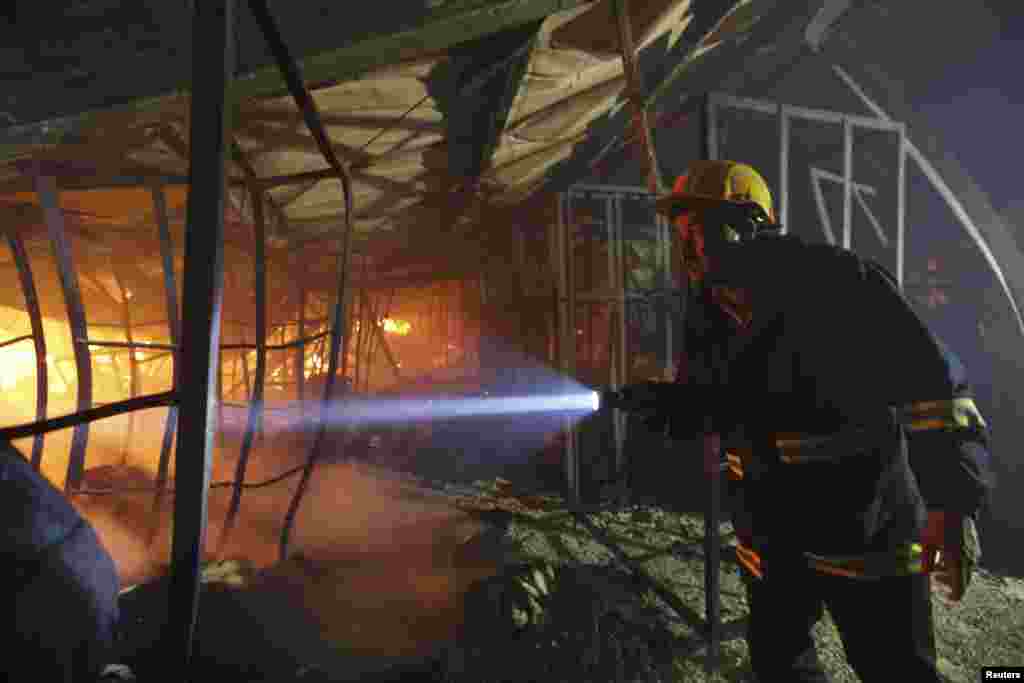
(978, 105)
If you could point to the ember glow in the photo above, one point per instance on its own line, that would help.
(392, 326)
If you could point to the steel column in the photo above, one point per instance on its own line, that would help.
(133, 361)
(847, 182)
(665, 248)
(901, 203)
(255, 417)
(212, 69)
(46, 187)
(712, 461)
(383, 343)
(782, 206)
(622, 373)
(567, 340)
(28, 291)
(613, 286)
(300, 351)
(712, 548)
(709, 127)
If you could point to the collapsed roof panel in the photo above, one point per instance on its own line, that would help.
(490, 120)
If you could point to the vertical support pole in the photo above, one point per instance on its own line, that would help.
(665, 268)
(782, 209)
(614, 320)
(364, 332)
(616, 246)
(463, 319)
(901, 203)
(379, 333)
(300, 352)
(174, 331)
(847, 182)
(245, 372)
(437, 316)
(620, 241)
(368, 337)
(349, 327)
(567, 340)
(712, 547)
(613, 287)
(446, 309)
(46, 187)
(383, 345)
(256, 399)
(212, 69)
(712, 459)
(709, 128)
(357, 332)
(28, 291)
(372, 330)
(133, 362)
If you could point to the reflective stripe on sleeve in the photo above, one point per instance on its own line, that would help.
(957, 413)
(948, 415)
(734, 466)
(908, 560)
(749, 560)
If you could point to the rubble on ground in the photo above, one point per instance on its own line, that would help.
(555, 605)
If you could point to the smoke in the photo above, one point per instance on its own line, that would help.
(134, 560)
(375, 562)
(349, 513)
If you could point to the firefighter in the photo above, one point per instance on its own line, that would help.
(864, 459)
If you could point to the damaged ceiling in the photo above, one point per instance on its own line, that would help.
(448, 126)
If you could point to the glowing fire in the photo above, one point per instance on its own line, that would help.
(314, 364)
(17, 361)
(399, 327)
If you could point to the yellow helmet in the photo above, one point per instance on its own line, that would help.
(709, 184)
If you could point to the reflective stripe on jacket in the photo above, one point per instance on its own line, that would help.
(911, 558)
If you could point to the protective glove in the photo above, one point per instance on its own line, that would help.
(952, 551)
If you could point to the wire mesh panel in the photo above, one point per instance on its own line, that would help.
(835, 177)
(816, 182)
(124, 250)
(749, 134)
(877, 206)
(650, 298)
(592, 263)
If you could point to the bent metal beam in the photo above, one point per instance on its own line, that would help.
(292, 74)
(47, 190)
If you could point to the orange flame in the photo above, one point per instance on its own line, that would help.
(17, 361)
(399, 327)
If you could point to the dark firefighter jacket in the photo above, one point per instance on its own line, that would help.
(832, 346)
